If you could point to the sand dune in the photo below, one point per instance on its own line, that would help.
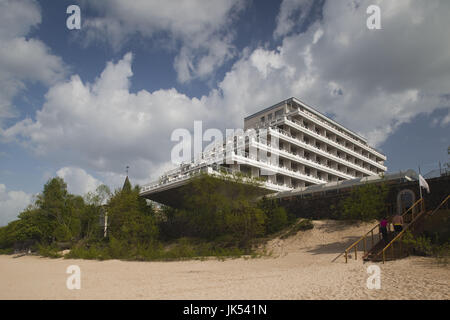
(300, 267)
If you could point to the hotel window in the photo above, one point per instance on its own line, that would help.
(269, 117)
(262, 120)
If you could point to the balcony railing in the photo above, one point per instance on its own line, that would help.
(178, 175)
(325, 139)
(283, 170)
(323, 153)
(305, 161)
(340, 132)
(334, 143)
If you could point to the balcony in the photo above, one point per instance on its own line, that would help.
(299, 126)
(263, 164)
(321, 152)
(337, 131)
(304, 161)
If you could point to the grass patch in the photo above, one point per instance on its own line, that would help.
(442, 254)
(48, 251)
(7, 251)
(424, 246)
(182, 249)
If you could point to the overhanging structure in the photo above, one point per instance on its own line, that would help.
(310, 149)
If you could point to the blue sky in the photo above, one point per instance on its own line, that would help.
(83, 104)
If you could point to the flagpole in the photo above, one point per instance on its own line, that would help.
(420, 188)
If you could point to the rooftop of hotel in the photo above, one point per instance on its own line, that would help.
(307, 107)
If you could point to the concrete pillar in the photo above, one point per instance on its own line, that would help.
(287, 181)
(272, 178)
(300, 136)
(255, 172)
(301, 168)
(287, 163)
(288, 147)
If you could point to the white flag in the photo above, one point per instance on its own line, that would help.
(423, 183)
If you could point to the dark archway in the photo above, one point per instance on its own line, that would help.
(405, 200)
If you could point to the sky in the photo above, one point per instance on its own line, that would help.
(83, 104)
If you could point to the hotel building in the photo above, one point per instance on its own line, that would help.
(308, 147)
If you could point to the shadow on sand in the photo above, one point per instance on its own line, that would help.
(334, 247)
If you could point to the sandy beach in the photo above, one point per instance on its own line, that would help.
(300, 267)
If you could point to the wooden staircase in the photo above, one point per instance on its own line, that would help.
(393, 247)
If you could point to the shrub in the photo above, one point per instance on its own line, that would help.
(366, 202)
(48, 251)
(423, 246)
(90, 253)
(7, 251)
(277, 217)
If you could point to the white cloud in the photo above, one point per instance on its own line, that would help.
(17, 17)
(104, 127)
(201, 28)
(78, 181)
(292, 13)
(23, 60)
(446, 120)
(372, 82)
(11, 204)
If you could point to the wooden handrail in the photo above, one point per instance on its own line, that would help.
(399, 235)
(360, 239)
(440, 205)
(371, 231)
(410, 224)
(410, 208)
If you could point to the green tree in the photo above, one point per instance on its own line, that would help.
(277, 217)
(94, 213)
(54, 216)
(365, 202)
(131, 219)
(60, 211)
(217, 206)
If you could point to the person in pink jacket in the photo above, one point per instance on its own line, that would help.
(383, 228)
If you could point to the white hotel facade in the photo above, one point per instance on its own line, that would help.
(303, 148)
